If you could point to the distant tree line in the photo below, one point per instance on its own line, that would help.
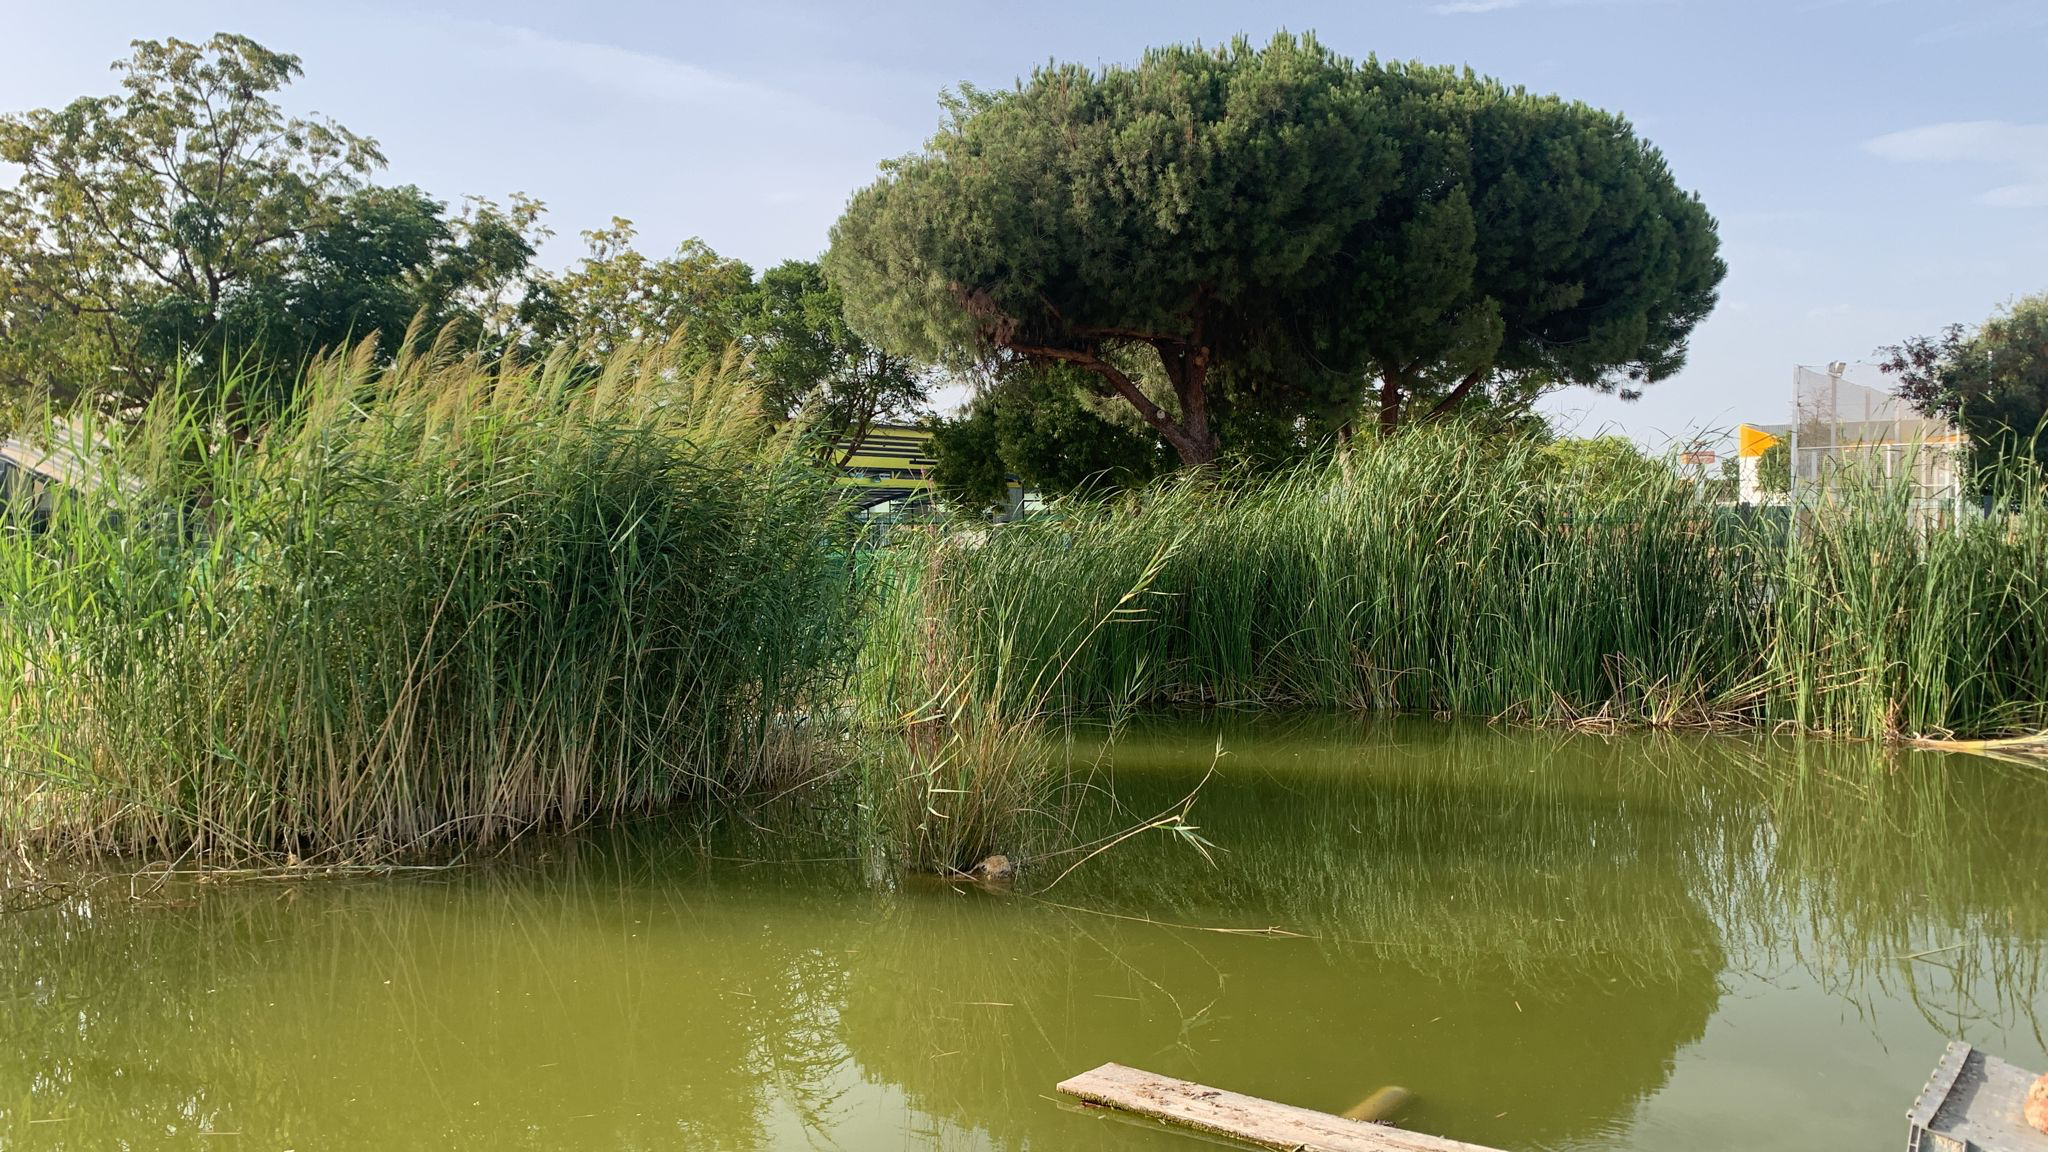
(187, 232)
(1245, 253)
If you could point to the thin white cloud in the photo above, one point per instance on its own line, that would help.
(2015, 154)
(642, 75)
(1468, 7)
(2017, 196)
(638, 75)
(2014, 16)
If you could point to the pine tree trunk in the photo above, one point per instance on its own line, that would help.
(1187, 367)
(1390, 405)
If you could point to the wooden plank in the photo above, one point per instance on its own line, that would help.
(1974, 1100)
(1245, 1118)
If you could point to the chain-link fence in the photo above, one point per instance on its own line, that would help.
(1848, 427)
(1847, 424)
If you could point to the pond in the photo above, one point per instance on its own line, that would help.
(1555, 941)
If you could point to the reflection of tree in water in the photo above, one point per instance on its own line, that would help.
(1516, 922)
(98, 1022)
(1469, 941)
(1506, 922)
(1842, 857)
(981, 1035)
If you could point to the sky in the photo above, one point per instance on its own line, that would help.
(1879, 168)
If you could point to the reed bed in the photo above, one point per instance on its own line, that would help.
(1444, 571)
(438, 603)
(1882, 624)
(443, 601)
(965, 754)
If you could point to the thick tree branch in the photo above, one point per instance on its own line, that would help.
(1171, 432)
(1123, 384)
(1457, 395)
(857, 432)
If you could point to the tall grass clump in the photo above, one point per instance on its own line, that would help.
(437, 603)
(964, 756)
(1888, 619)
(1447, 571)
(1438, 571)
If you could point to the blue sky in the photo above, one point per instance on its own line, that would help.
(1879, 167)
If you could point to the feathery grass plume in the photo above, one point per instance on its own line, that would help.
(439, 602)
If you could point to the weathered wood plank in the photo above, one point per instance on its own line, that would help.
(1246, 1118)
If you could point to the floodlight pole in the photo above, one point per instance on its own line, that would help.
(1792, 468)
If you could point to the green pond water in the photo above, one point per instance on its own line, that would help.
(1554, 941)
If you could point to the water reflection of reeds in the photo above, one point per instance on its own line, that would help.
(1452, 845)
(1507, 921)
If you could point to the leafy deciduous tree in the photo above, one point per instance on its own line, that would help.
(381, 262)
(163, 200)
(1991, 382)
(967, 464)
(811, 363)
(617, 295)
(1045, 425)
(1603, 464)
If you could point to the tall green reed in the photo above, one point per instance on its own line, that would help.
(1446, 571)
(1888, 619)
(963, 755)
(439, 602)
(1435, 572)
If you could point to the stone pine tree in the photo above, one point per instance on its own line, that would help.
(1542, 245)
(1259, 237)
